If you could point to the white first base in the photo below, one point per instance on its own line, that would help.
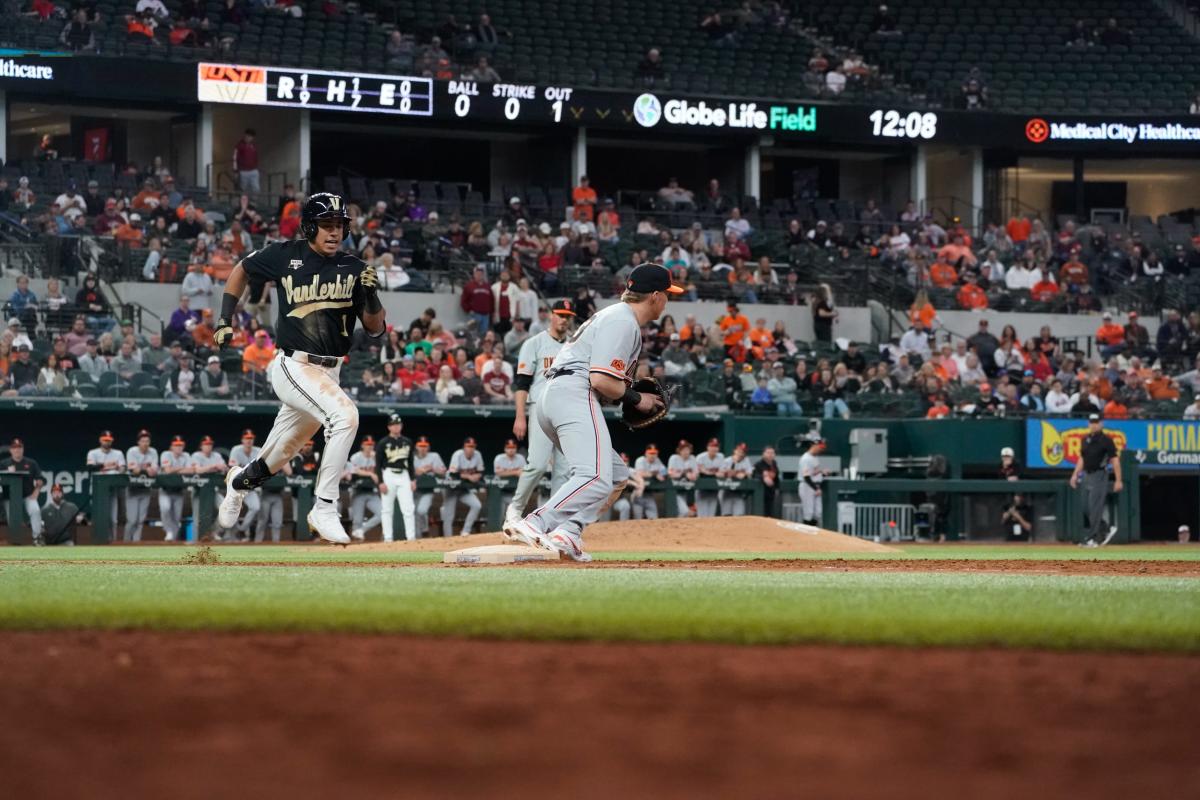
(498, 554)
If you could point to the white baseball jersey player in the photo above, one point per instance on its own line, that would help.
(137, 498)
(811, 477)
(504, 461)
(609, 343)
(431, 463)
(709, 465)
(108, 461)
(536, 356)
(239, 457)
(683, 467)
(212, 462)
(170, 502)
(736, 467)
(460, 462)
(363, 496)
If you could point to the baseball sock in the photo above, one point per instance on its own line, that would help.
(254, 475)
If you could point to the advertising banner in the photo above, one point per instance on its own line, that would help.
(1156, 444)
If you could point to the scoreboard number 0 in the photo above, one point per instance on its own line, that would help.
(462, 105)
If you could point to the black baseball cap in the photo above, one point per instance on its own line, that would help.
(395, 419)
(1093, 417)
(648, 277)
(564, 308)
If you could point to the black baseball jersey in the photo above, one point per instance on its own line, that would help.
(319, 298)
(26, 465)
(306, 464)
(1096, 450)
(394, 453)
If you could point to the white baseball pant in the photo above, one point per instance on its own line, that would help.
(810, 503)
(706, 504)
(450, 503)
(270, 514)
(542, 457)
(733, 504)
(170, 509)
(621, 508)
(399, 490)
(137, 505)
(682, 509)
(577, 428)
(311, 399)
(252, 505)
(362, 503)
(34, 512)
(645, 507)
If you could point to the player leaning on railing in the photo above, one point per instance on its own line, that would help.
(321, 291)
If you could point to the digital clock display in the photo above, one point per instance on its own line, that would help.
(898, 125)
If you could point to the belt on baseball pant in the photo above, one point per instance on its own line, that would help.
(396, 471)
(554, 373)
(308, 358)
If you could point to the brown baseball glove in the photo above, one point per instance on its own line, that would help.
(637, 419)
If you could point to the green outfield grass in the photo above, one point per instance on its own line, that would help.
(913, 609)
(320, 553)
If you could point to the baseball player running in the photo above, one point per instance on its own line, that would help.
(31, 485)
(141, 459)
(170, 501)
(536, 356)
(397, 479)
(466, 464)
(241, 457)
(426, 462)
(682, 465)
(736, 468)
(709, 464)
(651, 468)
(594, 366)
(320, 294)
(811, 476)
(360, 471)
(104, 459)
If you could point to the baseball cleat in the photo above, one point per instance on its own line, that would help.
(1112, 533)
(357, 535)
(231, 505)
(323, 520)
(569, 545)
(521, 532)
(510, 516)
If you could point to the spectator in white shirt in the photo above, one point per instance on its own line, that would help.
(835, 81)
(1057, 401)
(961, 355)
(737, 223)
(915, 341)
(198, 286)
(1018, 277)
(71, 203)
(391, 275)
(971, 372)
(992, 262)
(155, 7)
(527, 302)
(153, 259)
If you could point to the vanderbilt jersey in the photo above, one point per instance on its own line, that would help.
(537, 354)
(317, 297)
(394, 453)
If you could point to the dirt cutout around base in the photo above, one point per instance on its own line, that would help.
(692, 535)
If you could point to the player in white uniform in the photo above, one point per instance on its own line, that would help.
(104, 459)
(811, 476)
(709, 464)
(651, 468)
(593, 367)
(425, 462)
(394, 469)
(536, 356)
(360, 472)
(206, 461)
(466, 464)
(736, 468)
(509, 464)
(242, 456)
(683, 466)
(170, 501)
(141, 459)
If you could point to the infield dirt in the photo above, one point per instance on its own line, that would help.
(201, 715)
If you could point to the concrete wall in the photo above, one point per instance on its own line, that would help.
(278, 142)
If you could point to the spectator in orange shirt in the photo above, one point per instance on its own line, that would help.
(148, 198)
(957, 253)
(1074, 273)
(970, 296)
(220, 264)
(1161, 387)
(939, 408)
(942, 275)
(609, 212)
(258, 355)
(289, 218)
(1116, 409)
(584, 198)
(922, 311)
(202, 334)
(1110, 337)
(734, 325)
(1045, 289)
(130, 232)
(761, 338)
(1018, 229)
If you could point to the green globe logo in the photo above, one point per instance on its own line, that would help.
(647, 110)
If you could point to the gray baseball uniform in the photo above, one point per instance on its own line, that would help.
(810, 498)
(537, 354)
(137, 498)
(170, 501)
(610, 343)
(98, 457)
(432, 464)
(517, 461)
(711, 466)
(238, 457)
(733, 504)
(683, 466)
(460, 462)
(364, 497)
(202, 464)
(646, 506)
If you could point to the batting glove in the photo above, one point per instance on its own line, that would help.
(369, 278)
(223, 333)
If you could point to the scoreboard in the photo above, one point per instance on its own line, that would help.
(662, 112)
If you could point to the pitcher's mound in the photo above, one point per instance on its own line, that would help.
(708, 535)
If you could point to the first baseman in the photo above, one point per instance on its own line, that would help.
(594, 367)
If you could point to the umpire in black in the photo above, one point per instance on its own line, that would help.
(1096, 453)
